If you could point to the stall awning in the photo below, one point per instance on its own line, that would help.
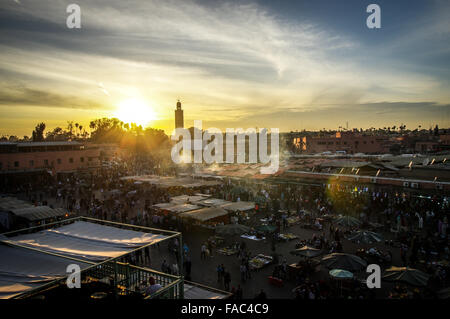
(205, 214)
(239, 206)
(186, 198)
(165, 205)
(213, 202)
(36, 213)
(182, 208)
(23, 269)
(86, 241)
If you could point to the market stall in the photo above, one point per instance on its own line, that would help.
(208, 217)
(260, 261)
(287, 237)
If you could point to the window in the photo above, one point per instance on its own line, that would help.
(46, 162)
(71, 160)
(59, 161)
(31, 163)
(90, 159)
(16, 164)
(82, 159)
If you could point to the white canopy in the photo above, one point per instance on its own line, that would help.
(239, 206)
(181, 208)
(88, 241)
(205, 213)
(23, 269)
(214, 202)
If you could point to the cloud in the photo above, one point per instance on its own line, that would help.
(226, 61)
(33, 97)
(381, 114)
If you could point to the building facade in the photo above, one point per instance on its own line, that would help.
(348, 142)
(53, 156)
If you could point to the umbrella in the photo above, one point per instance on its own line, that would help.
(444, 293)
(341, 274)
(344, 261)
(306, 251)
(366, 237)
(232, 229)
(348, 221)
(266, 228)
(406, 275)
(260, 199)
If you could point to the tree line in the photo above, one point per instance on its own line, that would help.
(104, 130)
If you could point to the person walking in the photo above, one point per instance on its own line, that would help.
(164, 266)
(219, 273)
(239, 292)
(203, 252)
(243, 271)
(188, 264)
(147, 258)
(227, 280)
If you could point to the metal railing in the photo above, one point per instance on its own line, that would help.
(124, 275)
(130, 278)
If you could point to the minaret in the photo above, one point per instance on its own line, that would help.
(179, 121)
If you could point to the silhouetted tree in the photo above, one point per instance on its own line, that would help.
(38, 133)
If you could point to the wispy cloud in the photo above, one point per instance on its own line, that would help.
(226, 61)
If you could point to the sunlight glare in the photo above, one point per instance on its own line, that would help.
(135, 111)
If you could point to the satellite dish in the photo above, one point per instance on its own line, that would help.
(426, 161)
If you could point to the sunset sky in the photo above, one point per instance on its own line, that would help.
(285, 64)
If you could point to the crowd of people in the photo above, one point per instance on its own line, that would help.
(419, 222)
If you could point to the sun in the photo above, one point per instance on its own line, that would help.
(135, 111)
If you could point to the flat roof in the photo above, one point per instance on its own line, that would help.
(86, 241)
(38, 256)
(54, 143)
(23, 269)
(28, 211)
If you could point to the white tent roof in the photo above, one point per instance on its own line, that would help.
(182, 208)
(23, 269)
(239, 206)
(214, 202)
(186, 198)
(205, 213)
(87, 241)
